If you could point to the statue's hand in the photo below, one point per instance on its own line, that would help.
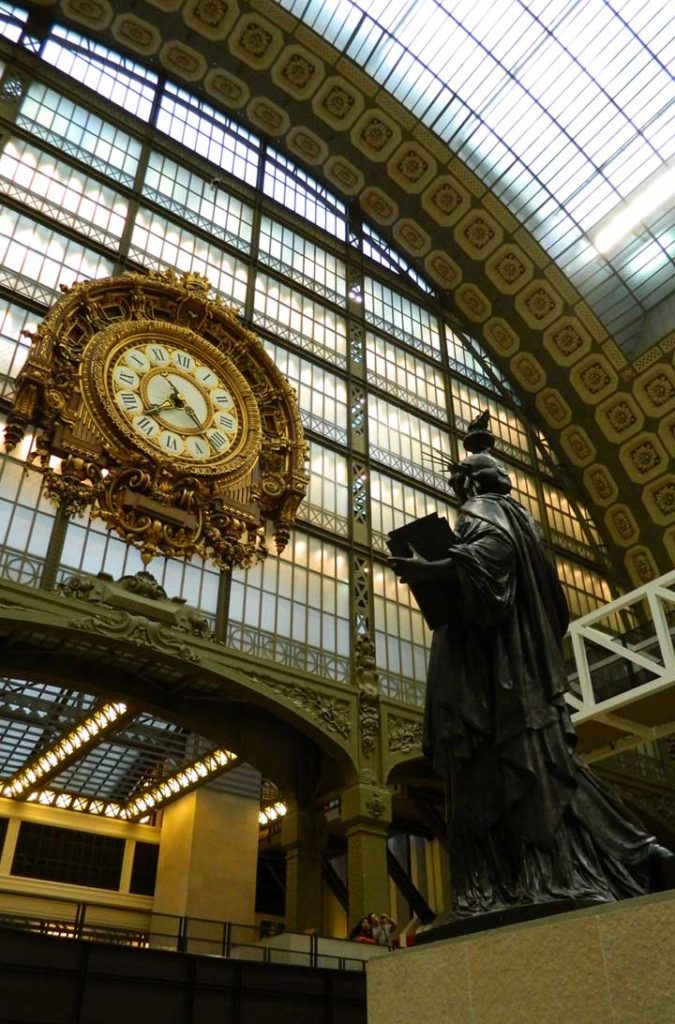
(413, 570)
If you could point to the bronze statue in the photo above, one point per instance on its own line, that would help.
(527, 821)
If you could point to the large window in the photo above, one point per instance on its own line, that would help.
(299, 319)
(80, 133)
(402, 639)
(295, 608)
(69, 197)
(198, 201)
(159, 244)
(127, 171)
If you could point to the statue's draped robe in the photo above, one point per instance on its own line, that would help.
(527, 820)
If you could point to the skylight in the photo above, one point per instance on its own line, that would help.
(563, 109)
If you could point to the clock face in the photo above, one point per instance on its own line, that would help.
(174, 400)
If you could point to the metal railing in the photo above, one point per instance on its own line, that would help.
(616, 667)
(266, 942)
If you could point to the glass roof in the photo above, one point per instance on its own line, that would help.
(564, 109)
(34, 715)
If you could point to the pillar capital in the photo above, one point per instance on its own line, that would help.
(366, 805)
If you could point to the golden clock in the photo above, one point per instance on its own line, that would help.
(160, 412)
(169, 393)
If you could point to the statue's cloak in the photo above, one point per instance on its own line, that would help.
(497, 728)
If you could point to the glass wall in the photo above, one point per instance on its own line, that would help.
(140, 175)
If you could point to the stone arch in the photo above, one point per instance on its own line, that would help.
(281, 725)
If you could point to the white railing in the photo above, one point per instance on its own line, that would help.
(638, 661)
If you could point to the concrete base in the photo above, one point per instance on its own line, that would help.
(613, 963)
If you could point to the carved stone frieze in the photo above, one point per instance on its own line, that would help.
(369, 722)
(136, 629)
(375, 806)
(404, 735)
(330, 712)
(105, 591)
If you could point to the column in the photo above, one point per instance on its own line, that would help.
(303, 839)
(208, 857)
(366, 815)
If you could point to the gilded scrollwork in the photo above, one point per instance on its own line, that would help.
(212, 503)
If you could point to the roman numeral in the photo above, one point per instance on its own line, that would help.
(217, 440)
(146, 425)
(130, 400)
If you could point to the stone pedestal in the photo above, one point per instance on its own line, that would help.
(609, 964)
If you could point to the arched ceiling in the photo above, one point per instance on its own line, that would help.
(564, 110)
(458, 218)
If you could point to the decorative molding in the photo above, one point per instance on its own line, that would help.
(375, 806)
(331, 713)
(137, 630)
(404, 735)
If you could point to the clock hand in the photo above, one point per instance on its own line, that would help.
(177, 400)
(193, 415)
(158, 406)
(174, 389)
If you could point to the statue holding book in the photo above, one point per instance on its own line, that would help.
(527, 821)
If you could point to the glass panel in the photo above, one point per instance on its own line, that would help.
(158, 243)
(405, 376)
(327, 501)
(378, 250)
(393, 504)
(120, 80)
(205, 131)
(79, 133)
(464, 359)
(67, 196)
(402, 639)
(506, 426)
(35, 260)
(322, 395)
(302, 261)
(198, 201)
(407, 443)
(570, 528)
(585, 590)
(294, 609)
(561, 105)
(297, 191)
(524, 490)
(26, 516)
(399, 316)
(12, 20)
(14, 344)
(299, 319)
